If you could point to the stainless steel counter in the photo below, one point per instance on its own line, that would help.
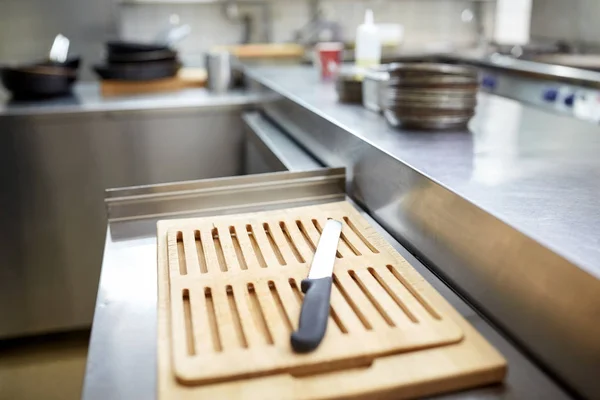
(122, 353)
(86, 98)
(534, 170)
(506, 211)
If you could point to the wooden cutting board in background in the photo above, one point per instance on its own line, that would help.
(186, 78)
(266, 50)
(229, 299)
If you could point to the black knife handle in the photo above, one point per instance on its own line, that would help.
(313, 316)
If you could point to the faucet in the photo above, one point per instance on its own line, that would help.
(318, 28)
(232, 12)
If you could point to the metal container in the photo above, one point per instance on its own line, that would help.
(348, 85)
(373, 88)
(218, 68)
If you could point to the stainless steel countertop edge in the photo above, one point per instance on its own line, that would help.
(87, 100)
(274, 87)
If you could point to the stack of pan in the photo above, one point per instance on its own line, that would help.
(131, 61)
(430, 95)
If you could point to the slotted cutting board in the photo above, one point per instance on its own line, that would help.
(233, 299)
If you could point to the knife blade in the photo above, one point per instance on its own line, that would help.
(317, 291)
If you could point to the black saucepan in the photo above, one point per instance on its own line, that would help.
(31, 82)
(138, 71)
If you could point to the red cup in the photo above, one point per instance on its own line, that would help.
(329, 58)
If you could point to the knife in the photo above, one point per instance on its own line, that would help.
(317, 290)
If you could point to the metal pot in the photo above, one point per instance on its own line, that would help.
(373, 88)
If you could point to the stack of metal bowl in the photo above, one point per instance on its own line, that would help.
(430, 95)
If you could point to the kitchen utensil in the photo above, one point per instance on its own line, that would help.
(260, 261)
(218, 69)
(317, 291)
(59, 49)
(122, 47)
(427, 122)
(430, 95)
(328, 58)
(348, 85)
(433, 81)
(30, 82)
(373, 88)
(461, 100)
(432, 106)
(138, 71)
(429, 69)
(70, 66)
(72, 62)
(160, 49)
(228, 293)
(141, 56)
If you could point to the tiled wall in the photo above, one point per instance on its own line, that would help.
(425, 22)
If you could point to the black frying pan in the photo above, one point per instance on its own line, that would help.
(32, 82)
(141, 56)
(120, 47)
(138, 71)
(71, 62)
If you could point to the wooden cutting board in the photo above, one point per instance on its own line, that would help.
(229, 298)
(186, 78)
(264, 50)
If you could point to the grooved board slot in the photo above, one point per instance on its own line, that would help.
(240, 277)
